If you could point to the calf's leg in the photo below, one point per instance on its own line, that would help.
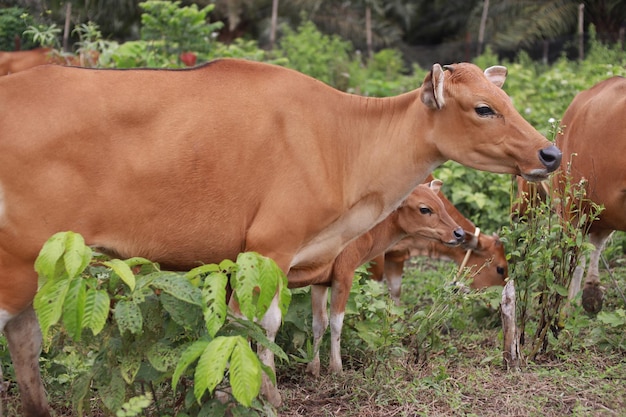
(24, 337)
(319, 305)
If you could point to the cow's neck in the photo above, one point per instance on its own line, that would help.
(386, 148)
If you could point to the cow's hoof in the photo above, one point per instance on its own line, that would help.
(592, 298)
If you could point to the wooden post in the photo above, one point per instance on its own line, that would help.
(511, 352)
(66, 31)
(481, 29)
(274, 23)
(581, 32)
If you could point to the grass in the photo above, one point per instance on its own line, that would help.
(463, 374)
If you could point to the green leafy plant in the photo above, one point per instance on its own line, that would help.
(171, 29)
(545, 250)
(148, 326)
(13, 22)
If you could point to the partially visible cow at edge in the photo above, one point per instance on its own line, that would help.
(593, 142)
(194, 166)
(483, 255)
(421, 214)
(16, 61)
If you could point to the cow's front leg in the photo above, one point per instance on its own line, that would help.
(271, 323)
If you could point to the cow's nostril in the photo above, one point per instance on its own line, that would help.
(550, 157)
(459, 235)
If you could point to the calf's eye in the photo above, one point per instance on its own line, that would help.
(425, 210)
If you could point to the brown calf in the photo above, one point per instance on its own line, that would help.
(422, 214)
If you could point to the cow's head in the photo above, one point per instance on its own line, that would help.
(476, 124)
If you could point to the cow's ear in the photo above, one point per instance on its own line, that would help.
(435, 185)
(496, 74)
(432, 89)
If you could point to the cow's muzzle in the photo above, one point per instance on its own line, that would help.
(550, 157)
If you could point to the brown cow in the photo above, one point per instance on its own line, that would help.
(421, 214)
(16, 61)
(593, 141)
(482, 254)
(194, 166)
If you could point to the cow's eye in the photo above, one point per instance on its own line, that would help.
(425, 210)
(484, 111)
(500, 270)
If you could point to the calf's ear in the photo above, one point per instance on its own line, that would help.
(435, 185)
(432, 88)
(496, 74)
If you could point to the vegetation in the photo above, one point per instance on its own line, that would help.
(125, 338)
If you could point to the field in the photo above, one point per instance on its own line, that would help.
(463, 374)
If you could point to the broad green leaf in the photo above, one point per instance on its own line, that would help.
(245, 373)
(77, 255)
(80, 389)
(245, 282)
(212, 364)
(214, 302)
(190, 354)
(163, 357)
(112, 394)
(202, 270)
(97, 304)
(186, 315)
(129, 366)
(128, 317)
(616, 318)
(50, 254)
(254, 331)
(74, 308)
(178, 286)
(135, 406)
(49, 303)
(269, 281)
(123, 271)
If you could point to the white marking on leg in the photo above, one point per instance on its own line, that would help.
(319, 304)
(336, 324)
(5, 316)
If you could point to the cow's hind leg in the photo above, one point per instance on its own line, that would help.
(593, 292)
(24, 337)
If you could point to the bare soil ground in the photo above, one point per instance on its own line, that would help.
(470, 383)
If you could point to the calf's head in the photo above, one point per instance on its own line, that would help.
(423, 214)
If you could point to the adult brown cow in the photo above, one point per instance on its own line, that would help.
(194, 166)
(16, 61)
(593, 141)
(482, 254)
